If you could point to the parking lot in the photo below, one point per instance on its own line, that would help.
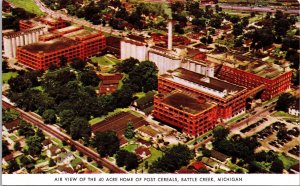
(273, 134)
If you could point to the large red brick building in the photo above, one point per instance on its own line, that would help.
(191, 114)
(51, 23)
(231, 98)
(74, 42)
(252, 73)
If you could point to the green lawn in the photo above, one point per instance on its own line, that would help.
(281, 114)
(57, 142)
(91, 168)
(95, 120)
(232, 120)
(105, 60)
(287, 161)
(199, 139)
(101, 60)
(130, 147)
(13, 137)
(139, 94)
(39, 88)
(99, 119)
(7, 76)
(28, 5)
(155, 154)
(286, 116)
(75, 162)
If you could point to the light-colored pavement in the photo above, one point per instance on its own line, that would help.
(255, 9)
(57, 14)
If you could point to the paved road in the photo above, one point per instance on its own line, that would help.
(255, 9)
(75, 20)
(261, 113)
(35, 120)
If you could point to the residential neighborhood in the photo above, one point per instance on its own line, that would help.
(146, 87)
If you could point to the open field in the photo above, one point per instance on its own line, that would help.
(28, 5)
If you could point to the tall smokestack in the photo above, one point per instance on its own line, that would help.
(170, 37)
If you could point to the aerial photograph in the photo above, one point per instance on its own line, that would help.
(150, 86)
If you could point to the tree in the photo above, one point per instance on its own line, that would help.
(261, 38)
(51, 163)
(80, 128)
(245, 21)
(284, 101)
(40, 134)
(277, 166)
(49, 116)
(254, 167)
(206, 153)
(281, 27)
(33, 76)
(238, 42)
(278, 15)
(17, 146)
(217, 7)
(178, 29)
(25, 129)
(129, 131)
(128, 159)
(63, 61)
(123, 96)
(52, 67)
(203, 170)
(19, 84)
(131, 161)
(209, 40)
(216, 22)
(5, 66)
(127, 65)
(78, 64)
(177, 6)
(293, 57)
(296, 77)
(237, 29)
(220, 133)
(89, 78)
(139, 75)
(107, 143)
(5, 150)
(172, 160)
(203, 40)
(34, 145)
(66, 117)
(199, 23)
(9, 115)
(234, 19)
(13, 166)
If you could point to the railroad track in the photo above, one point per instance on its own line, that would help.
(34, 120)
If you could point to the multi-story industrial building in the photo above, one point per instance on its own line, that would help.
(191, 114)
(268, 78)
(70, 42)
(51, 23)
(12, 40)
(231, 98)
